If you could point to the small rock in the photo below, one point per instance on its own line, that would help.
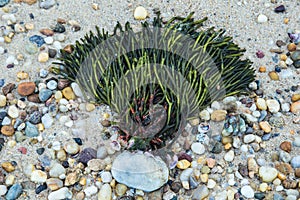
(262, 18)
(90, 191)
(183, 164)
(229, 156)
(261, 104)
(71, 179)
(200, 193)
(38, 176)
(218, 115)
(273, 105)
(56, 170)
(265, 126)
(31, 130)
(7, 130)
(105, 192)
(26, 88)
(14, 192)
(4, 2)
(274, 76)
(295, 107)
(62, 193)
(47, 120)
(247, 191)
(286, 146)
(268, 174)
(121, 189)
(68, 93)
(140, 13)
(46, 4)
(13, 111)
(44, 94)
(43, 57)
(106, 177)
(96, 164)
(3, 190)
(54, 184)
(8, 167)
(87, 154)
(295, 162)
(279, 9)
(71, 148)
(198, 148)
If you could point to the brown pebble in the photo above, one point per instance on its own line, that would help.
(284, 168)
(218, 115)
(280, 43)
(295, 97)
(8, 167)
(274, 76)
(295, 107)
(262, 69)
(283, 57)
(297, 172)
(292, 47)
(8, 88)
(34, 98)
(289, 184)
(30, 2)
(7, 130)
(286, 146)
(265, 126)
(68, 49)
(26, 88)
(63, 83)
(61, 21)
(105, 123)
(47, 32)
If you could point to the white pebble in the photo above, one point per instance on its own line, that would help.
(262, 18)
(48, 40)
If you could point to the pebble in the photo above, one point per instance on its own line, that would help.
(120, 189)
(47, 120)
(49, 40)
(183, 164)
(57, 170)
(295, 162)
(13, 111)
(198, 148)
(71, 147)
(218, 115)
(7, 130)
(105, 192)
(3, 2)
(262, 18)
(87, 154)
(295, 107)
(26, 88)
(200, 193)
(31, 130)
(76, 89)
(261, 104)
(286, 146)
(43, 57)
(268, 174)
(249, 138)
(101, 152)
(45, 94)
(62, 193)
(46, 4)
(154, 171)
(106, 177)
(273, 105)
(38, 176)
(52, 85)
(229, 156)
(140, 13)
(265, 126)
(211, 184)
(90, 191)
(38, 40)
(274, 76)
(296, 142)
(96, 164)
(14, 191)
(54, 183)
(205, 115)
(247, 191)
(43, 73)
(3, 190)
(8, 167)
(68, 93)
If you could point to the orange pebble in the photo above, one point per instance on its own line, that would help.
(262, 69)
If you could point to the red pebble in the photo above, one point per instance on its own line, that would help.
(23, 150)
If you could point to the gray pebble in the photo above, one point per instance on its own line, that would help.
(52, 85)
(31, 130)
(45, 94)
(46, 4)
(14, 192)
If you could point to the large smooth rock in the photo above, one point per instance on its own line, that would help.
(140, 171)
